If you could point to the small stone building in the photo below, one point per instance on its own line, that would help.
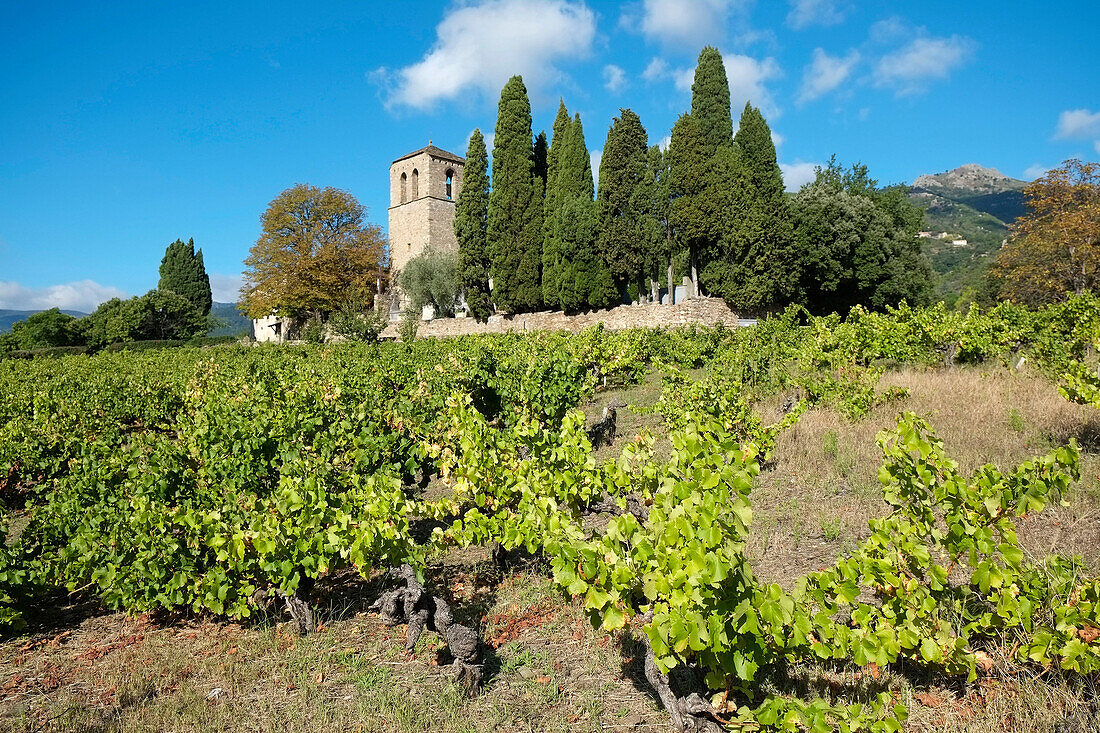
(424, 186)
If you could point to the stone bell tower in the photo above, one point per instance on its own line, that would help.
(424, 186)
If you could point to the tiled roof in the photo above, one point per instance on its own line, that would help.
(435, 153)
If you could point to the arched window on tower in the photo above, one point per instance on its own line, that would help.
(404, 180)
(415, 183)
(450, 183)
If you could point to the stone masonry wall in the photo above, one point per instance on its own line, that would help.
(704, 311)
(428, 217)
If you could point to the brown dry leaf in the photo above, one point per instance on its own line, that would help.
(873, 670)
(542, 680)
(984, 661)
(928, 699)
(232, 650)
(320, 677)
(1088, 634)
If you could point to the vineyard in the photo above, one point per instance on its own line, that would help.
(248, 487)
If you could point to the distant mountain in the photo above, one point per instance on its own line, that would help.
(984, 189)
(235, 322)
(8, 318)
(972, 203)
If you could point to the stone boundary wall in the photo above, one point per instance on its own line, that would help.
(705, 311)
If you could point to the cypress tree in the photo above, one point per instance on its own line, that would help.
(767, 255)
(710, 100)
(659, 251)
(541, 151)
(515, 206)
(182, 271)
(688, 166)
(734, 225)
(754, 138)
(551, 257)
(584, 279)
(621, 200)
(471, 228)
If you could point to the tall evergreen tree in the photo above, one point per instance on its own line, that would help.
(471, 228)
(182, 271)
(551, 256)
(541, 151)
(515, 206)
(766, 252)
(584, 279)
(659, 251)
(710, 100)
(688, 165)
(621, 200)
(734, 224)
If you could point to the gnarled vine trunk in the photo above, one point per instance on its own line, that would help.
(414, 605)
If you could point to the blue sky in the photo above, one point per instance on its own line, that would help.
(126, 125)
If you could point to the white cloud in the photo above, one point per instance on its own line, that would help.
(664, 142)
(1035, 171)
(683, 23)
(82, 295)
(595, 157)
(747, 77)
(777, 139)
(479, 46)
(825, 73)
(1097, 146)
(656, 70)
(889, 30)
(797, 174)
(614, 78)
(922, 60)
(805, 13)
(225, 288)
(1078, 124)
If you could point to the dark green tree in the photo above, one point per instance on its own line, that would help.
(857, 243)
(658, 234)
(541, 151)
(735, 225)
(471, 229)
(768, 260)
(182, 271)
(43, 330)
(551, 256)
(515, 206)
(710, 100)
(582, 279)
(622, 201)
(159, 314)
(688, 218)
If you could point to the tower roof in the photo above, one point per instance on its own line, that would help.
(435, 153)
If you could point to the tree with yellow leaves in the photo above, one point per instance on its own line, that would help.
(315, 254)
(1055, 246)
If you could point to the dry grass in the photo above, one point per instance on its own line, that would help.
(815, 499)
(549, 671)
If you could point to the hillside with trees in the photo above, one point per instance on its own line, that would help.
(972, 203)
